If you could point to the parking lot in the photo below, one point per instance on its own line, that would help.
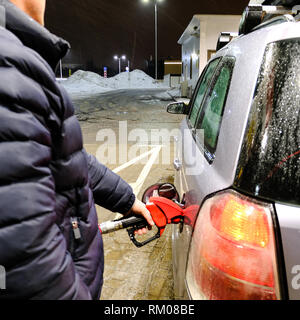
(132, 273)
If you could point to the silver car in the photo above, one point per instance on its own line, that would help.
(238, 172)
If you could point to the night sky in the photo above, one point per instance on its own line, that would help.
(99, 29)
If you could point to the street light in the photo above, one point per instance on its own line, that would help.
(120, 58)
(156, 30)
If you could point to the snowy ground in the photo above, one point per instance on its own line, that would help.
(85, 83)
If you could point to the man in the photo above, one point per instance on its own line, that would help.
(50, 245)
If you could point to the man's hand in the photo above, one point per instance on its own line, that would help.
(139, 208)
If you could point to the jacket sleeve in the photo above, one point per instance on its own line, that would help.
(110, 191)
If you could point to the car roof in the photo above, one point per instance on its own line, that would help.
(263, 35)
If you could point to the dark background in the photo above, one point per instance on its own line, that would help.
(99, 29)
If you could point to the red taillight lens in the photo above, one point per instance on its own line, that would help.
(232, 254)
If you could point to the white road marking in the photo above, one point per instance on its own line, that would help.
(133, 161)
(144, 174)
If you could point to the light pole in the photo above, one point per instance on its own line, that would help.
(156, 31)
(60, 69)
(119, 58)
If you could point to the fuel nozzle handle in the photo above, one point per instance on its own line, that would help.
(124, 223)
(163, 212)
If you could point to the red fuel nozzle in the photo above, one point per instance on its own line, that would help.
(164, 211)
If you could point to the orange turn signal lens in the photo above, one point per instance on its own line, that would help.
(242, 221)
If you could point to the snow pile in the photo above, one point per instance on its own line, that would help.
(133, 80)
(85, 82)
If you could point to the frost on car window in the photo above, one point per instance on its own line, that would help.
(269, 165)
(214, 104)
(204, 83)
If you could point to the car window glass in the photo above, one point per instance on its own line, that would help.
(269, 164)
(200, 92)
(213, 106)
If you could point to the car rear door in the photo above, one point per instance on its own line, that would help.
(189, 124)
(199, 140)
(185, 140)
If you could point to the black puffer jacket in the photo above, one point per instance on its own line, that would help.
(47, 180)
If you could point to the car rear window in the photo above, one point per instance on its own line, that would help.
(269, 165)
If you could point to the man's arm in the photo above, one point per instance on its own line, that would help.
(110, 191)
(113, 193)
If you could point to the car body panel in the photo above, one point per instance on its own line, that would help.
(289, 221)
(248, 52)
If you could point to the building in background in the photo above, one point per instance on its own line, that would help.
(198, 43)
(172, 72)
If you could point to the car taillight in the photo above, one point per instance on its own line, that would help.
(232, 254)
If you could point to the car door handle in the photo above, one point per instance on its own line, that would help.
(177, 164)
